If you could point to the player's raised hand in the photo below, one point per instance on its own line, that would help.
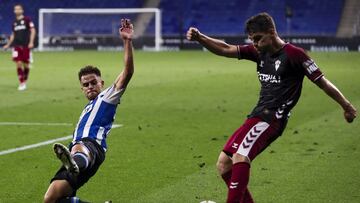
(350, 113)
(126, 30)
(31, 45)
(6, 46)
(192, 34)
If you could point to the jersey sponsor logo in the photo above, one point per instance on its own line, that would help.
(269, 78)
(22, 22)
(310, 66)
(19, 27)
(277, 64)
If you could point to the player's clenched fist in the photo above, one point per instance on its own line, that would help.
(193, 34)
(350, 113)
(126, 30)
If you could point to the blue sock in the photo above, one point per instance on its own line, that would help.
(70, 200)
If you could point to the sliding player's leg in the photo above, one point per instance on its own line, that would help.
(57, 190)
(79, 166)
(60, 191)
(82, 156)
(78, 160)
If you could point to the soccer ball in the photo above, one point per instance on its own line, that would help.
(208, 201)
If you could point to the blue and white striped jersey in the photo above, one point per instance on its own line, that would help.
(98, 116)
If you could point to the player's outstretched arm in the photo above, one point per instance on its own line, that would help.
(11, 39)
(32, 38)
(216, 46)
(331, 90)
(126, 33)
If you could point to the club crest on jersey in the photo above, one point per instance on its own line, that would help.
(277, 64)
(88, 108)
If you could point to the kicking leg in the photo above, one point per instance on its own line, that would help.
(224, 167)
(239, 180)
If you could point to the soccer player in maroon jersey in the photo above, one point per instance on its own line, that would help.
(22, 39)
(281, 68)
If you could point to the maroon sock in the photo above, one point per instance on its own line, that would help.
(227, 177)
(20, 73)
(26, 72)
(247, 198)
(239, 180)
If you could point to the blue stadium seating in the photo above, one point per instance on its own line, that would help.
(214, 17)
(311, 17)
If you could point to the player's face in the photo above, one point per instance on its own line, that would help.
(18, 10)
(262, 41)
(91, 85)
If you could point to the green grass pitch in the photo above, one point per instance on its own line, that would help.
(177, 113)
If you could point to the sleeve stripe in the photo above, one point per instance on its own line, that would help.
(318, 77)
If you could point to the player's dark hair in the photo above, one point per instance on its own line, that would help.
(89, 69)
(261, 22)
(19, 4)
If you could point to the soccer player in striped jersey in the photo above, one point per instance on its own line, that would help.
(87, 150)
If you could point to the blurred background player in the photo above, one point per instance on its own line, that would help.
(22, 39)
(281, 68)
(87, 150)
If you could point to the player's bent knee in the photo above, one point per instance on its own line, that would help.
(223, 164)
(49, 198)
(240, 158)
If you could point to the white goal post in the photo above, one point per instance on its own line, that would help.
(157, 14)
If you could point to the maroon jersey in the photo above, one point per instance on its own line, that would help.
(281, 76)
(21, 29)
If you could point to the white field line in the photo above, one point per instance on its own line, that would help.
(33, 124)
(47, 142)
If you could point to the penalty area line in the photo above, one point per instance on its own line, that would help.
(47, 142)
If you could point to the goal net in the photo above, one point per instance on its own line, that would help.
(71, 29)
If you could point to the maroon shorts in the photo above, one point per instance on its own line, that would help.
(21, 53)
(252, 138)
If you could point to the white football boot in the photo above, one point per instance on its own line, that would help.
(64, 155)
(22, 86)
